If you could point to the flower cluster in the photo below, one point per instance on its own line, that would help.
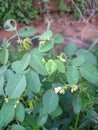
(62, 89)
(42, 42)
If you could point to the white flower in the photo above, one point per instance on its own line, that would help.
(74, 88)
(60, 90)
(57, 89)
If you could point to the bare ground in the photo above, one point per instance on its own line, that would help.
(80, 32)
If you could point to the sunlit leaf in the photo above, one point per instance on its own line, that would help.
(60, 66)
(51, 66)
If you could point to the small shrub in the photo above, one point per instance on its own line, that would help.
(20, 10)
(43, 89)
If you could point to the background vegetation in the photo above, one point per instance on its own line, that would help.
(25, 11)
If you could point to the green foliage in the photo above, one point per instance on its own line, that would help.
(41, 89)
(22, 11)
(63, 8)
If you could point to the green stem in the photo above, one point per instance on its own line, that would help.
(76, 122)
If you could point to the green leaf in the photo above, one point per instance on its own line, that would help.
(58, 111)
(8, 74)
(3, 69)
(85, 122)
(60, 66)
(89, 57)
(16, 66)
(51, 66)
(78, 61)
(42, 111)
(5, 43)
(7, 111)
(26, 32)
(42, 119)
(37, 65)
(33, 81)
(89, 72)
(91, 47)
(46, 46)
(10, 25)
(70, 49)
(20, 112)
(50, 101)
(45, 35)
(17, 127)
(58, 39)
(16, 86)
(93, 115)
(4, 55)
(2, 80)
(77, 104)
(73, 75)
(25, 61)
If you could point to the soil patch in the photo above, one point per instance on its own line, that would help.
(81, 32)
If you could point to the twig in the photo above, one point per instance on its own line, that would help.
(87, 23)
(78, 9)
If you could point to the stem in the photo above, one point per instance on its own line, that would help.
(12, 37)
(17, 35)
(37, 36)
(76, 122)
(93, 45)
